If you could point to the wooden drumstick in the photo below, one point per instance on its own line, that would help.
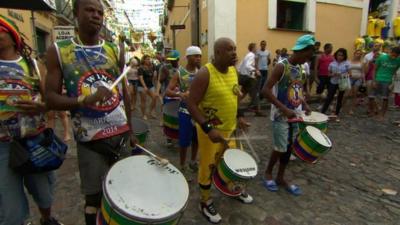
(126, 70)
(260, 137)
(163, 161)
(246, 138)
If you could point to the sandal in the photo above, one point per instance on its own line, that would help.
(270, 185)
(294, 190)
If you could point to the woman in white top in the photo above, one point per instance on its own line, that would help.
(133, 79)
(357, 78)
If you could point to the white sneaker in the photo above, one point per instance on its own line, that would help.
(208, 210)
(292, 157)
(245, 198)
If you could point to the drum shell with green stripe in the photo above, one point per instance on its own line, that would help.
(171, 119)
(114, 218)
(141, 130)
(305, 137)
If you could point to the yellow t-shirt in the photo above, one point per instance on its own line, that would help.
(396, 27)
(379, 24)
(371, 27)
(359, 44)
(219, 104)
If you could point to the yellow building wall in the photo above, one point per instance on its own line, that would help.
(337, 24)
(44, 21)
(183, 37)
(24, 27)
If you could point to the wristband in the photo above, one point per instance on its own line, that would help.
(206, 127)
(240, 113)
(81, 100)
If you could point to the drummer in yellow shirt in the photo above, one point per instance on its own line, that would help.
(213, 102)
(371, 26)
(396, 27)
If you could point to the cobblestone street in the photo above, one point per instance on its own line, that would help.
(344, 188)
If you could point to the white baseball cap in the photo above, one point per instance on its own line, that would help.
(193, 50)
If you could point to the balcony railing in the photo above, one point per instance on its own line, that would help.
(64, 10)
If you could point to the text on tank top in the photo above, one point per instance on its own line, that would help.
(85, 68)
(219, 104)
(14, 77)
(289, 89)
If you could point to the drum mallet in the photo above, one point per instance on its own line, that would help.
(246, 138)
(163, 161)
(122, 76)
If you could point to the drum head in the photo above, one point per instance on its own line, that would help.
(139, 126)
(241, 163)
(139, 188)
(171, 108)
(319, 136)
(315, 117)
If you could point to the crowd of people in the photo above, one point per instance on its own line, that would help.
(78, 73)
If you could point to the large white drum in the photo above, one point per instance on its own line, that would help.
(138, 190)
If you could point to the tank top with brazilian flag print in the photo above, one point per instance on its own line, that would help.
(185, 79)
(16, 83)
(85, 68)
(289, 89)
(219, 104)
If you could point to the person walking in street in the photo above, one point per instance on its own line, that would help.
(321, 67)
(284, 89)
(386, 67)
(101, 117)
(187, 130)
(369, 70)
(339, 74)
(133, 80)
(213, 101)
(357, 78)
(313, 60)
(17, 74)
(146, 88)
(263, 57)
(283, 54)
(165, 74)
(277, 57)
(249, 76)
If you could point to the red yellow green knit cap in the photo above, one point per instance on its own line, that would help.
(13, 29)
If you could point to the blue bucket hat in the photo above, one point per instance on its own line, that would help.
(303, 42)
(173, 55)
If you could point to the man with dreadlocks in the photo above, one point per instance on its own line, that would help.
(101, 118)
(18, 74)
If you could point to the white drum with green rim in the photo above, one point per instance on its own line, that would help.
(234, 170)
(138, 190)
(315, 119)
(311, 144)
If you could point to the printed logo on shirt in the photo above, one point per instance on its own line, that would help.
(295, 93)
(89, 83)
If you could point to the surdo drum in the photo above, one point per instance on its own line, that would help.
(137, 191)
(311, 144)
(233, 171)
(170, 119)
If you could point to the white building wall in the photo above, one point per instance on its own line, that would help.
(221, 21)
